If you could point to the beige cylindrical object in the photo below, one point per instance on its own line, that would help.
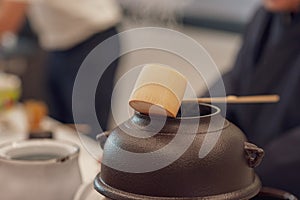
(158, 90)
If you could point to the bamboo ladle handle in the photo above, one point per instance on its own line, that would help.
(239, 99)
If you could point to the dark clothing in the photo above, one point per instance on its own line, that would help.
(269, 63)
(62, 68)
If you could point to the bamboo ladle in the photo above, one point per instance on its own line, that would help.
(160, 90)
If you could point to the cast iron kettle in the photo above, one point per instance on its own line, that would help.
(225, 172)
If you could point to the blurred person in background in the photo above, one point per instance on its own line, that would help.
(269, 63)
(68, 30)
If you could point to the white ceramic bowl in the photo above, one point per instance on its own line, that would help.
(39, 169)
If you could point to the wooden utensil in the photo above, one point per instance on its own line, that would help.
(239, 99)
(159, 90)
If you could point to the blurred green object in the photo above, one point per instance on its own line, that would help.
(10, 90)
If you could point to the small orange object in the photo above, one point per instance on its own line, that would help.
(36, 111)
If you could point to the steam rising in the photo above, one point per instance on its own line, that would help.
(165, 12)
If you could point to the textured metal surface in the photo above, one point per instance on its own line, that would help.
(273, 194)
(115, 194)
(223, 174)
